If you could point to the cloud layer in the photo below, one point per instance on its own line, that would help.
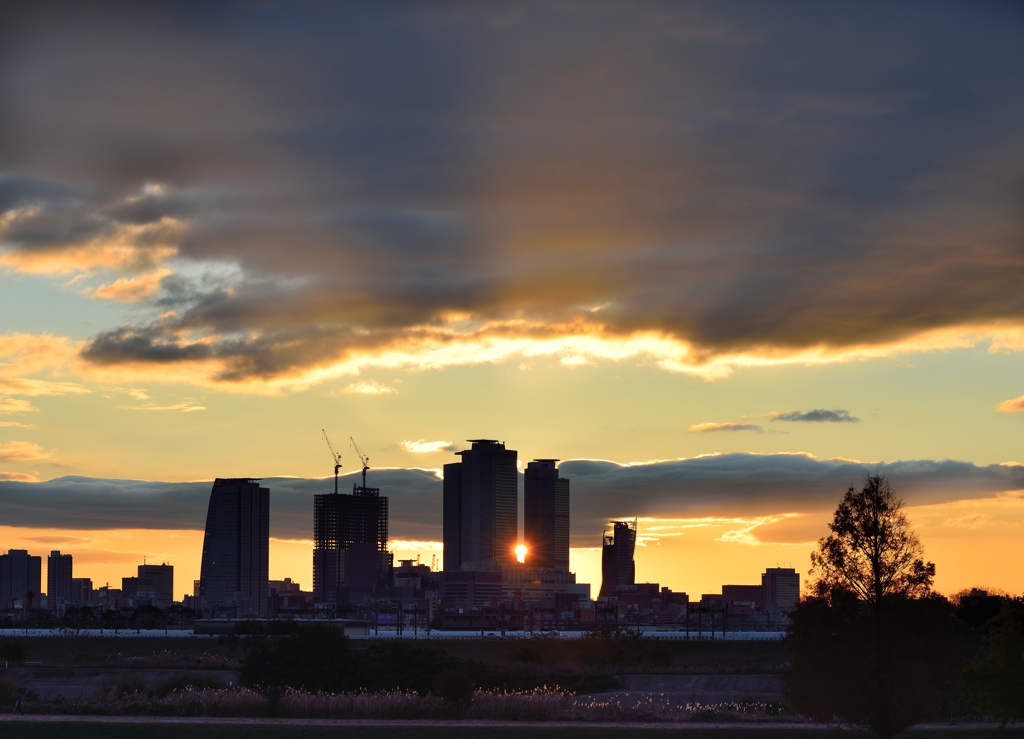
(730, 485)
(703, 428)
(818, 415)
(315, 189)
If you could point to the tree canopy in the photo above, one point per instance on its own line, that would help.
(872, 552)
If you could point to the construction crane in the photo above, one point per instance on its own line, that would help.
(337, 461)
(365, 460)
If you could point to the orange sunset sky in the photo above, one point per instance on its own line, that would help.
(722, 260)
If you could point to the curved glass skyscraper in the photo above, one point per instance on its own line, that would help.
(236, 549)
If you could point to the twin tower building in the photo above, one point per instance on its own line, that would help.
(481, 511)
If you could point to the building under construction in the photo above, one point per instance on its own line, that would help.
(350, 542)
(617, 566)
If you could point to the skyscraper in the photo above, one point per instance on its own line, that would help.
(20, 574)
(163, 583)
(546, 515)
(481, 502)
(781, 587)
(81, 590)
(58, 581)
(236, 548)
(617, 566)
(350, 543)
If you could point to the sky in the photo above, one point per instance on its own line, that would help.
(721, 259)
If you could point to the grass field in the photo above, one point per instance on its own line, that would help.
(103, 730)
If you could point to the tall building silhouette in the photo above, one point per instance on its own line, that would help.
(481, 502)
(617, 566)
(81, 590)
(350, 544)
(236, 549)
(163, 583)
(58, 581)
(20, 573)
(546, 515)
(781, 587)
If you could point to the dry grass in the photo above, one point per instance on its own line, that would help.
(542, 704)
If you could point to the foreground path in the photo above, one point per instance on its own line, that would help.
(689, 725)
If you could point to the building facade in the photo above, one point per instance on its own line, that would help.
(162, 577)
(236, 549)
(752, 595)
(58, 581)
(781, 587)
(20, 574)
(545, 515)
(350, 544)
(481, 506)
(81, 590)
(617, 566)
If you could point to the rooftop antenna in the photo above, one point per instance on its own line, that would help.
(364, 459)
(337, 461)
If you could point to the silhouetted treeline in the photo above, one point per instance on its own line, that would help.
(886, 668)
(323, 659)
(995, 684)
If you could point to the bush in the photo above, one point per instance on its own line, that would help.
(12, 651)
(621, 649)
(318, 659)
(8, 693)
(453, 686)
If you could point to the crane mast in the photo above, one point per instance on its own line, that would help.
(365, 460)
(337, 461)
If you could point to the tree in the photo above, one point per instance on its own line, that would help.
(873, 646)
(996, 686)
(872, 551)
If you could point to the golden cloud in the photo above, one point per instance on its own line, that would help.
(413, 544)
(455, 344)
(206, 362)
(972, 521)
(13, 405)
(700, 428)
(17, 451)
(186, 407)
(125, 247)
(738, 530)
(130, 289)
(368, 387)
(17, 477)
(24, 355)
(1016, 405)
(427, 447)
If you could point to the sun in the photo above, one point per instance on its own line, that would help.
(521, 553)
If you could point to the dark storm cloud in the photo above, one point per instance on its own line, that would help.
(754, 484)
(723, 485)
(734, 174)
(818, 415)
(89, 503)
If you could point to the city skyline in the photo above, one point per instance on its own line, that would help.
(722, 259)
(420, 502)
